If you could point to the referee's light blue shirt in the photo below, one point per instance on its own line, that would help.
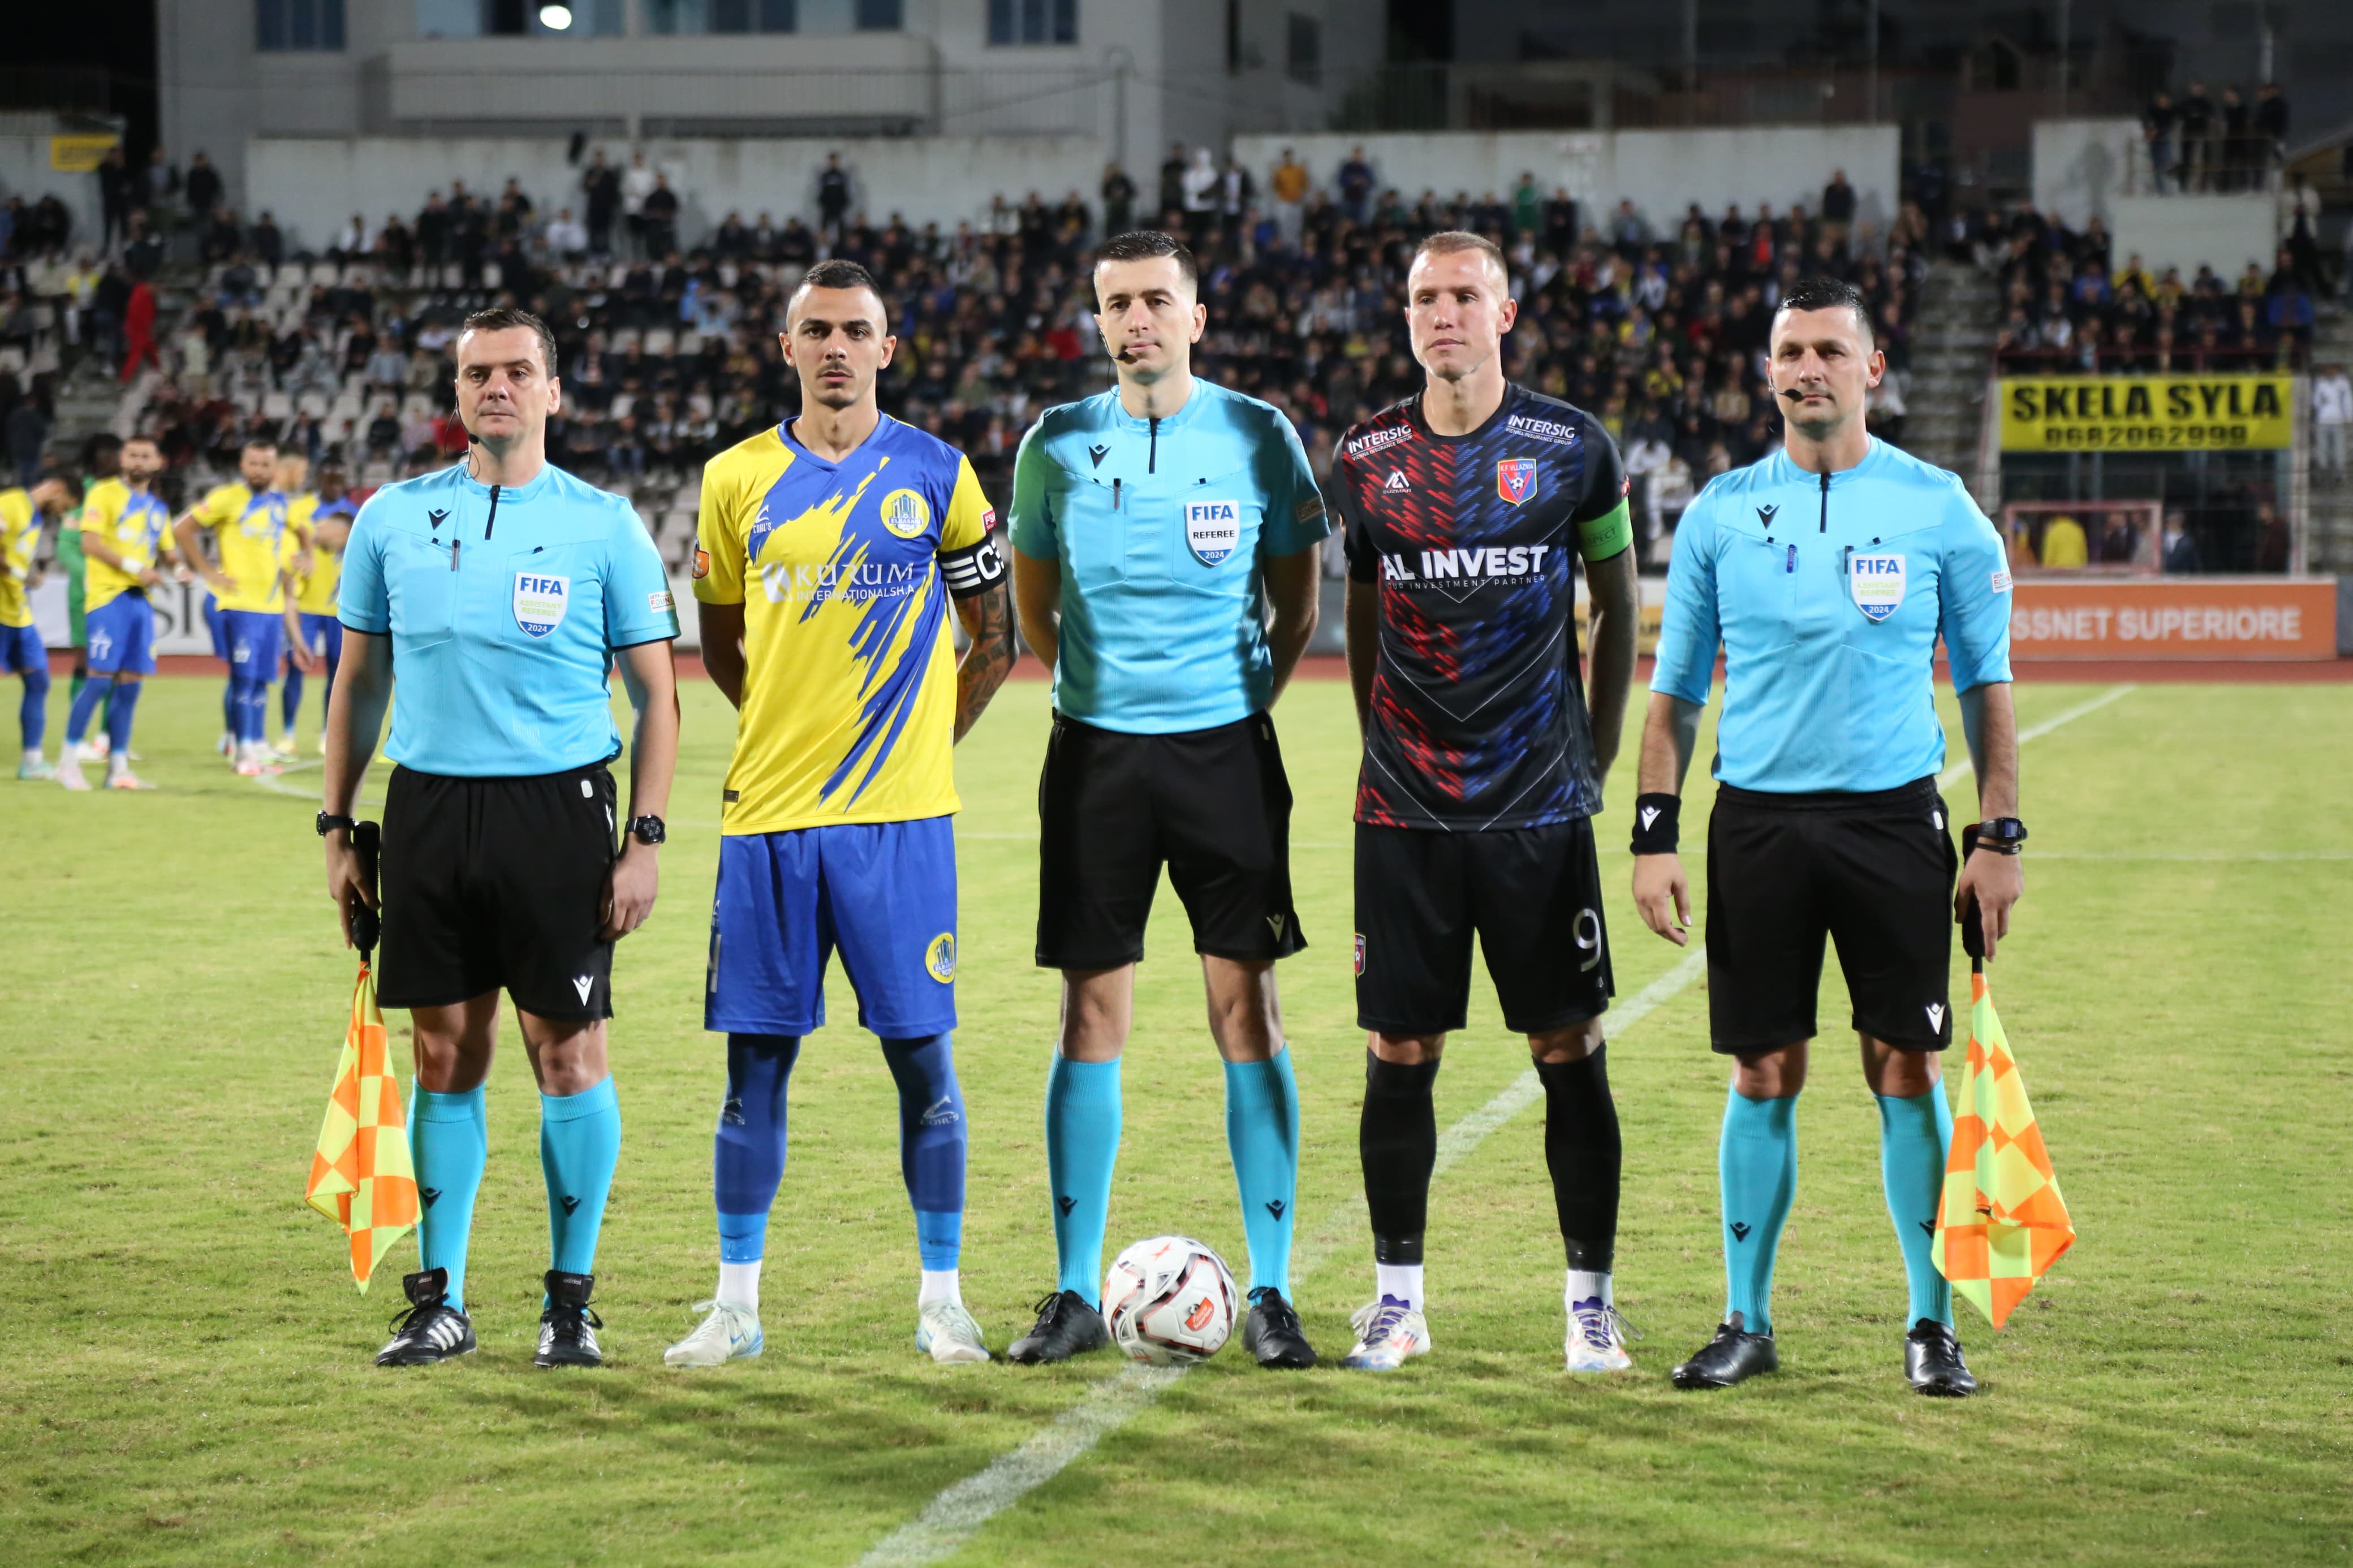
(1160, 527)
(1828, 604)
(502, 628)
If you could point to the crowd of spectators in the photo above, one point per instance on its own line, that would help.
(2068, 306)
(669, 353)
(2213, 142)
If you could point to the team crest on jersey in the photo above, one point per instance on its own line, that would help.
(1876, 580)
(1360, 952)
(540, 602)
(1212, 528)
(939, 958)
(905, 513)
(1515, 479)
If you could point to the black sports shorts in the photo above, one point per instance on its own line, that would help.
(492, 884)
(1213, 805)
(1873, 871)
(1534, 896)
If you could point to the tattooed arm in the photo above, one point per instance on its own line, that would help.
(988, 619)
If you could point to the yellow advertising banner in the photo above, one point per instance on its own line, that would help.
(2147, 413)
(79, 155)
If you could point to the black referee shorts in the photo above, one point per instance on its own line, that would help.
(1212, 805)
(1533, 895)
(1871, 871)
(492, 884)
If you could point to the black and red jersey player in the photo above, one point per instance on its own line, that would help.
(1464, 509)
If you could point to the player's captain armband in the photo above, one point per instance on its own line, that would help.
(975, 569)
(1601, 538)
(2000, 580)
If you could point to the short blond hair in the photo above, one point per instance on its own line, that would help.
(1453, 241)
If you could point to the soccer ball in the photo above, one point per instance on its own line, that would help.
(1169, 1300)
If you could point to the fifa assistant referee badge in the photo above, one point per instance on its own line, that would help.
(1656, 823)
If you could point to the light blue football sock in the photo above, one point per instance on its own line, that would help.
(449, 1139)
(119, 712)
(1756, 1165)
(579, 1145)
(1083, 1115)
(931, 1143)
(1916, 1135)
(1262, 1135)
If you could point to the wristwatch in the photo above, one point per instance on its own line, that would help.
(648, 830)
(2003, 834)
(329, 821)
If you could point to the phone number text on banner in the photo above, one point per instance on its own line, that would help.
(2147, 413)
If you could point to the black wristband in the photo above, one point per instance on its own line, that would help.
(1656, 821)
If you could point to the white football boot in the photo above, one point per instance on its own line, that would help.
(1596, 1338)
(947, 1333)
(1387, 1331)
(729, 1333)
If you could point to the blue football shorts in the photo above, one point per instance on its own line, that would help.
(21, 652)
(255, 639)
(122, 635)
(882, 894)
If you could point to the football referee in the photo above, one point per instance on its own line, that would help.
(499, 589)
(1828, 572)
(1150, 523)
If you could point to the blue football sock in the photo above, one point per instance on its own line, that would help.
(290, 697)
(1262, 1136)
(1082, 1112)
(748, 1157)
(33, 712)
(1756, 1163)
(448, 1139)
(85, 703)
(931, 1143)
(579, 1145)
(252, 709)
(119, 710)
(229, 706)
(1916, 1135)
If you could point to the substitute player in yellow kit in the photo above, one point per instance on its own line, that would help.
(829, 549)
(258, 556)
(322, 515)
(126, 530)
(22, 513)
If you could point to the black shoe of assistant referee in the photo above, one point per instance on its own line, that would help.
(1735, 1355)
(1932, 1361)
(1066, 1327)
(567, 1329)
(1271, 1332)
(431, 1329)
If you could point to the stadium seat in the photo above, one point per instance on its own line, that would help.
(277, 405)
(659, 341)
(493, 276)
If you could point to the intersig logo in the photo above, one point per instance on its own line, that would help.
(1550, 430)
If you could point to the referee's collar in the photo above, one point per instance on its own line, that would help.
(1786, 471)
(539, 485)
(1203, 392)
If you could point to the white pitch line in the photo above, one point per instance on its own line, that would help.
(956, 1515)
(1962, 769)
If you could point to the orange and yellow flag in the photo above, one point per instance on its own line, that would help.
(360, 1176)
(2001, 1223)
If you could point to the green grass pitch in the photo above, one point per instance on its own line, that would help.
(185, 1370)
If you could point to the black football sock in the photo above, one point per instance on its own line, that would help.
(1582, 1148)
(1397, 1140)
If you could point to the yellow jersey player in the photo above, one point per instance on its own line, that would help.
(22, 514)
(326, 514)
(829, 549)
(125, 530)
(254, 620)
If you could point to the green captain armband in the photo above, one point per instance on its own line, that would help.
(1600, 538)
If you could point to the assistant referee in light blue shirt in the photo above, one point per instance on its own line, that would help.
(1828, 573)
(1150, 524)
(497, 593)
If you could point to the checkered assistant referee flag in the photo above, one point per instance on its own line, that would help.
(361, 1174)
(2001, 1223)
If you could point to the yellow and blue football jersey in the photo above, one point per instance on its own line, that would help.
(255, 545)
(844, 571)
(135, 523)
(20, 541)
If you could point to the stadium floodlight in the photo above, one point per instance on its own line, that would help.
(556, 18)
